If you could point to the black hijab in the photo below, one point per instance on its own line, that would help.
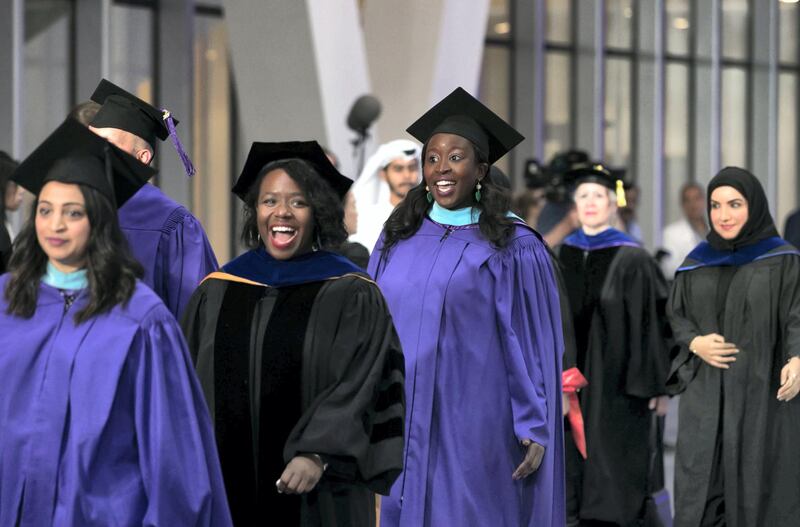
(759, 225)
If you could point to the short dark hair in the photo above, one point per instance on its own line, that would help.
(326, 207)
(111, 269)
(686, 187)
(495, 203)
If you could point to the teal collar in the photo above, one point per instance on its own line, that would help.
(461, 217)
(67, 281)
(456, 218)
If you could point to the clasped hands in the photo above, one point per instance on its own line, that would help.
(716, 352)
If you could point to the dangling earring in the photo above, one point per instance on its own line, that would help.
(478, 192)
(429, 196)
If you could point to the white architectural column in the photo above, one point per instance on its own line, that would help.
(419, 51)
(298, 67)
(342, 73)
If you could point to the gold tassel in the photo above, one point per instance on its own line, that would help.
(621, 201)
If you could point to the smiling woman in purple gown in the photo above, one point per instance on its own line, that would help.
(473, 296)
(102, 419)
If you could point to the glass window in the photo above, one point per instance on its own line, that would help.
(494, 87)
(787, 146)
(557, 105)
(559, 22)
(619, 24)
(735, 29)
(676, 138)
(678, 14)
(789, 21)
(734, 117)
(132, 49)
(499, 24)
(618, 112)
(212, 133)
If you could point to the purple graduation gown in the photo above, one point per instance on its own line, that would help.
(481, 333)
(170, 244)
(103, 423)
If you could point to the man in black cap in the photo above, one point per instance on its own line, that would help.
(165, 237)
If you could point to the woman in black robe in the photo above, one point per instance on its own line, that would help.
(616, 295)
(735, 312)
(297, 354)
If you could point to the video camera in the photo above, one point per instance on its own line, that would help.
(551, 177)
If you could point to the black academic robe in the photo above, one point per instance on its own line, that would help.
(308, 368)
(5, 247)
(760, 435)
(617, 297)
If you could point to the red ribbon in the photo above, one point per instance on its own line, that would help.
(572, 380)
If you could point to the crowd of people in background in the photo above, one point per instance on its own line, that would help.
(418, 332)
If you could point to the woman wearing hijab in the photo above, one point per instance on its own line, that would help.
(616, 295)
(473, 296)
(297, 354)
(103, 421)
(735, 312)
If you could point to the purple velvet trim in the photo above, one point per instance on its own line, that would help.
(176, 142)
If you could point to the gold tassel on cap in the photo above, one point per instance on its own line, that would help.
(621, 201)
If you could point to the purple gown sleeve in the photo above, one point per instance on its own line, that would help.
(177, 451)
(529, 323)
(186, 257)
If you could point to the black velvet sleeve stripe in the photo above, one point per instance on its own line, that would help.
(387, 430)
(391, 395)
(395, 360)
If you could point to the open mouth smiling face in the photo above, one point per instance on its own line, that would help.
(284, 216)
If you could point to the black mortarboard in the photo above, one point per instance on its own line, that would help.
(122, 109)
(73, 154)
(462, 114)
(310, 151)
(597, 173)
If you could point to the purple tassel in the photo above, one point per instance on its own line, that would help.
(176, 142)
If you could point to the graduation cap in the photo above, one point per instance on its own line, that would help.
(122, 109)
(74, 154)
(597, 173)
(462, 114)
(310, 151)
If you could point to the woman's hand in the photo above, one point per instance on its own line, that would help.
(790, 380)
(659, 405)
(533, 458)
(301, 475)
(714, 350)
